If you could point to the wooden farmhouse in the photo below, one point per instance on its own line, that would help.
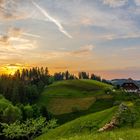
(130, 86)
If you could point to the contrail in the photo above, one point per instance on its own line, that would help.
(60, 27)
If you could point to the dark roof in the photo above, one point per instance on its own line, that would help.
(129, 86)
(131, 81)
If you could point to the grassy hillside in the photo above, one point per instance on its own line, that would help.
(70, 99)
(91, 97)
(61, 105)
(128, 134)
(74, 88)
(89, 123)
(71, 93)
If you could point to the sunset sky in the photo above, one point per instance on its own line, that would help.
(100, 36)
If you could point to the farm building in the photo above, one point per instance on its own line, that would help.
(130, 86)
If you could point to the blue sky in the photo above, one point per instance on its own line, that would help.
(101, 36)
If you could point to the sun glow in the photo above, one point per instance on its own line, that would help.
(12, 68)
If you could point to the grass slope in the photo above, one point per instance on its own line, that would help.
(74, 88)
(89, 123)
(62, 105)
(128, 134)
(64, 97)
(62, 93)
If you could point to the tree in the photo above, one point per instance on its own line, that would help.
(8, 112)
(44, 112)
(28, 112)
(28, 129)
(95, 77)
(11, 114)
(67, 75)
(71, 77)
(17, 74)
(58, 76)
(106, 81)
(40, 86)
(25, 85)
(83, 75)
(36, 111)
(15, 93)
(3, 105)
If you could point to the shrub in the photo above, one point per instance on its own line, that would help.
(28, 129)
(126, 116)
(108, 91)
(11, 114)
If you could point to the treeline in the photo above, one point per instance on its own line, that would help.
(81, 75)
(63, 76)
(25, 86)
(85, 75)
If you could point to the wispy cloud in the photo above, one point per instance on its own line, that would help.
(137, 2)
(16, 32)
(116, 36)
(26, 46)
(115, 3)
(86, 50)
(130, 48)
(9, 10)
(31, 35)
(50, 18)
(14, 40)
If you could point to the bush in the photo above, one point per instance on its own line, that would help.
(126, 116)
(8, 112)
(28, 129)
(108, 91)
(28, 112)
(11, 114)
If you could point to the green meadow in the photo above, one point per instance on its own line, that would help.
(94, 107)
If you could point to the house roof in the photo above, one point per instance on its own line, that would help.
(129, 81)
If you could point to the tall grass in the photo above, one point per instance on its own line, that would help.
(129, 134)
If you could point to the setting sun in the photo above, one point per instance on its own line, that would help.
(12, 68)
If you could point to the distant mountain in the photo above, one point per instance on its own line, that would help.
(118, 81)
(121, 81)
